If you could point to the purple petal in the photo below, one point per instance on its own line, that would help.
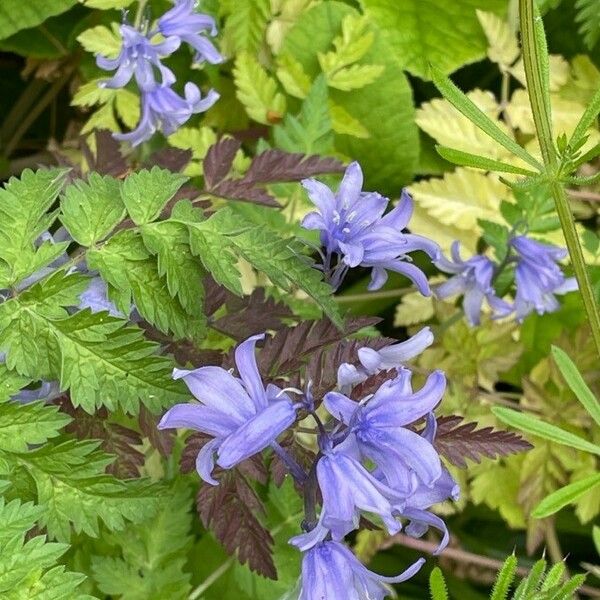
(199, 418)
(339, 406)
(351, 186)
(205, 461)
(245, 360)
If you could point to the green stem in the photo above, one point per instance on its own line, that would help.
(139, 15)
(534, 59)
(371, 296)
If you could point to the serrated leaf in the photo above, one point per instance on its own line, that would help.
(547, 431)
(437, 585)
(245, 25)
(257, 91)
(588, 17)
(10, 382)
(414, 308)
(16, 15)
(344, 123)
(23, 218)
(503, 47)
(465, 159)
(504, 579)
(91, 209)
(437, 32)
(106, 4)
(292, 76)
(146, 193)
(101, 40)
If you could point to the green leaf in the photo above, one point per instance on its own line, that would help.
(23, 218)
(28, 569)
(464, 159)
(534, 426)
(587, 120)
(530, 584)
(146, 193)
(437, 585)
(25, 424)
(10, 382)
(16, 15)
(496, 236)
(292, 76)
(149, 563)
(91, 209)
(311, 131)
(245, 25)
(446, 34)
(566, 495)
(101, 359)
(257, 91)
(468, 108)
(504, 579)
(125, 263)
(220, 241)
(107, 4)
(384, 108)
(75, 494)
(576, 382)
(101, 40)
(588, 16)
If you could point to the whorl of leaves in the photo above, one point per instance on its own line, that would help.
(232, 509)
(270, 166)
(457, 441)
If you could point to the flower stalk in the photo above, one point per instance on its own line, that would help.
(535, 60)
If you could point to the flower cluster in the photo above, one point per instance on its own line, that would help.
(355, 232)
(537, 275)
(141, 57)
(374, 458)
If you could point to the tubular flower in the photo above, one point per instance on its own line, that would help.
(538, 277)
(141, 58)
(164, 110)
(354, 228)
(379, 427)
(330, 571)
(185, 24)
(239, 413)
(473, 278)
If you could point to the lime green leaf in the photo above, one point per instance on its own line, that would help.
(532, 425)
(292, 76)
(587, 120)
(446, 34)
(414, 308)
(570, 493)
(10, 382)
(468, 108)
(92, 209)
(588, 17)
(146, 193)
(16, 15)
(465, 159)
(384, 108)
(576, 382)
(245, 25)
(503, 46)
(504, 579)
(107, 4)
(257, 91)
(437, 585)
(101, 40)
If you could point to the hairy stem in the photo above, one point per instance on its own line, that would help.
(535, 59)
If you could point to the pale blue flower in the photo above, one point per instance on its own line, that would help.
(95, 297)
(355, 230)
(538, 277)
(473, 278)
(239, 413)
(164, 110)
(331, 572)
(185, 24)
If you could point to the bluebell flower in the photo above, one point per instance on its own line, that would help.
(185, 24)
(163, 109)
(473, 278)
(379, 426)
(389, 357)
(348, 488)
(354, 229)
(538, 277)
(141, 58)
(330, 571)
(239, 413)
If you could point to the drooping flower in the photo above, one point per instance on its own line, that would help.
(164, 110)
(379, 426)
(473, 278)
(389, 357)
(185, 24)
(239, 413)
(348, 488)
(331, 571)
(538, 277)
(140, 58)
(354, 228)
